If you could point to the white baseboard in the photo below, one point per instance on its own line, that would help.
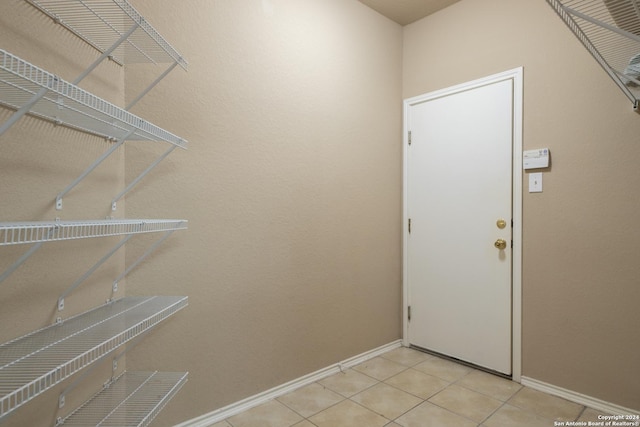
(591, 402)
(260, 398)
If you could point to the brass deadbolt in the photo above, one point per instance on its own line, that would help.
(501, 223)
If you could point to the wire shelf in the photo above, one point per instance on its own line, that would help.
(34, 363)
(133, 399)
(610, 30)
(14, 233)
(102, 22)
(66, 103)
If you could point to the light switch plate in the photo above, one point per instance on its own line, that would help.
(535, 182)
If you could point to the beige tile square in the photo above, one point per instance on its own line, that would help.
(491, 385)
(392, 424)
(221, 424)
(545, 405)
(348, 414)
(387, 401)
(430, 415)
(442, 368)
(417, 383)
(590, 414)
(465, 402)
(304, 423)
(270, 414)
(348, 383)
(511, 416)
(310, 399)
(406, 356)
(380, 368)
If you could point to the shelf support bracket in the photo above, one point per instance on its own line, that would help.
(20, 261)
(106, 53)
(23, 110)
(142, 175)
(91, 271)
(24, 257)
(142, 257)
(90, 169)
(151, 86)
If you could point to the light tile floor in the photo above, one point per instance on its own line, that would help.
(408, 388)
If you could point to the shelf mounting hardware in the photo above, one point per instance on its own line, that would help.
(89, 272)
(26, 255)
(106, 54)
(151, 86)
(139, 177)
(148, 252)
(90, 169)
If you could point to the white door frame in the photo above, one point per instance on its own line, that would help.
(516, 75)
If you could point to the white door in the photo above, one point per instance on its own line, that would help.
(458, 192)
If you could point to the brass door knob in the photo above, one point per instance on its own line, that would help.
(500, 244)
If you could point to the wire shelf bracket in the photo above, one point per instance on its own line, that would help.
(103, 25)
(610, 31)
(39, 232)
(34, 363)
(142, 257)
(133, 399)
(114, 202)
(89, 272)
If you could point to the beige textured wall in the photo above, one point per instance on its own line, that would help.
(581, 235)
(38, 160)
(292, 189)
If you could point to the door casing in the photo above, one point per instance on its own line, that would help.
(516, 75)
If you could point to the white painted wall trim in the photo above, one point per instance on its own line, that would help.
(582, 399)
(260, 398)
(516, 75)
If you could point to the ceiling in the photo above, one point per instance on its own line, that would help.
(407, 11)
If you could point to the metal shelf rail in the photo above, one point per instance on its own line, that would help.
(39, 232)
(610, 30)
(132, 399)
(34, 363)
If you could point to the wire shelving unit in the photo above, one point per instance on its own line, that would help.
(610, 31)
(34, 363)
(132, 399)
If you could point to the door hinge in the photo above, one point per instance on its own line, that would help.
(409, 225)
(409, 137)
(409, 313)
